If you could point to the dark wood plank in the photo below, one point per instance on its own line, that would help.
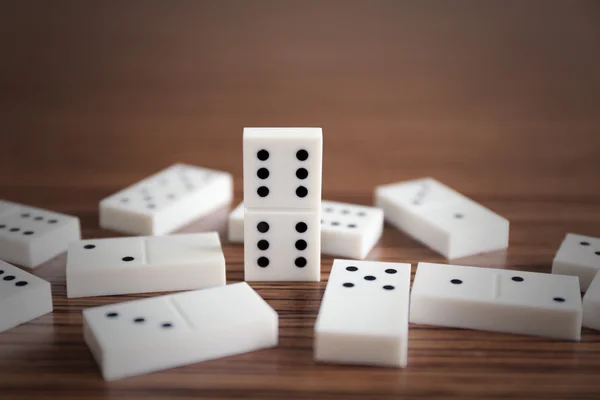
(499, 100)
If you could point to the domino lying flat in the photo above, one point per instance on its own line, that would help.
(23, 296)
(442, 218)
(580, 256)
(591, 305)
(166, 201)
(157, 333)
(101, 267)
(364, 314)
(31, 236)
(497, 300)
(347, 230)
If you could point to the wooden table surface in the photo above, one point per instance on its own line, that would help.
(499, 100)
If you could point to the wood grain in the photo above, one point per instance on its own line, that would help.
(499, 100)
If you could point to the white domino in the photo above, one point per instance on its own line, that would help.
(591, 305)
(158, 333)
(286, 246)
(441, 218)
(235, 231)
(497, 300)
(282, 188)
(347, 230)
(166, 201)
(102, 267)
(23, 296)
(580, 256)
(30, 236)
(363, 317)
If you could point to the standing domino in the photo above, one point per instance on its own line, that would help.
(31, 236)
(580, 256)
(347, 230)
(497, 300)
(364, 314)
(23, 296)
(101, 267)
(163, 332)
(441, 218)
(166, 201)
(282, 199)
(591, 305)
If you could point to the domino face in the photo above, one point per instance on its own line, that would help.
(363, 317)
(166, 201)
(163, 332)
(282, 168)
(30, 236)
(282, 246)
(497, 300)
(591, 305)
(235, 230)
(578, 255)
(442, 218)
(23, 297)
(347, 230)
(101, 267)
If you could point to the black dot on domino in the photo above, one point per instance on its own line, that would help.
(89, 246)
(263, 262)
(262, 191)
(389, 287)
(370, 278)
(352, 268)
(301, 191)
(302, 155)
(390, 271)
(301, 244)
(112, 315)
(456, 281)
(584, 243)
(127, 259)
(262, 244)
(301, 173)
(517, 279)
(262, 173)
(139, 320)
(21, 283)
(9, 278)
(262, 227)
(166, 325)
(300, 262)
(559, 299)
(348, 285)
(301, 227)
(262, 155)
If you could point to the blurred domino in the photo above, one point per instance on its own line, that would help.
(580, 256)
(497, 300)
(441, 218)
(282, 200)
(347, 230)
(158, 333)
(102, 267)
(23, 296)
(166, 201)
(235, 230)
(591, 305)
(31, 236)
(363, 317)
